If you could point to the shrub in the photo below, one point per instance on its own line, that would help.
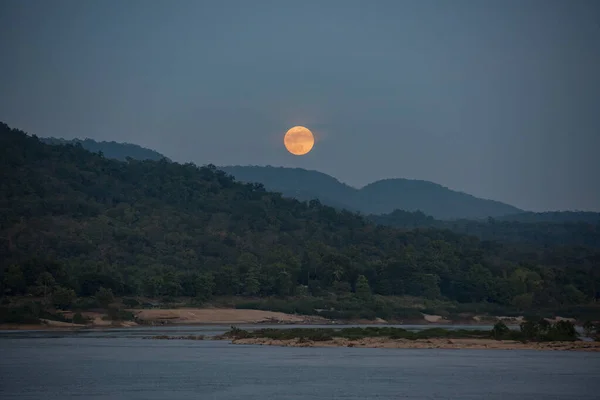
(130, 302)
(78, 318)
(500, 330)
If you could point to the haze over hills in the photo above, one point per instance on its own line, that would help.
(379, 197)
(387, 194)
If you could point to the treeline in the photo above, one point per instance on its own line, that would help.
(118, 151)
(74, 223)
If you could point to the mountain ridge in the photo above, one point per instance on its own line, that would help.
(111, 149)
(379, 197)
(333, 191)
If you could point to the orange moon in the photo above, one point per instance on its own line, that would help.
(299, 140)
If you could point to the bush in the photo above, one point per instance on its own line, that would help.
(78, 318)
(104, 297)
(130, 302)
(63, 298)
(116, 314)
(542, 331)
(500, 330)
(19, 315)
(86, 303)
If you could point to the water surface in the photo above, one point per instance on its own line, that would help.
(117, 366)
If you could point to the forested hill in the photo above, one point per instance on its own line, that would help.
(379, 197)
(543, 229)
(118, 151)
(549, 228)
(70, 218)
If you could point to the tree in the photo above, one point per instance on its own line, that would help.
(363, 290)
(205, 286)
(14, 281)
(45, 284)
(562, 331)
(63, 298)
(500, 330)
(251, 282)
(104, 297)
(589, 328)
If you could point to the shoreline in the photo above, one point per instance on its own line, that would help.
(52, 325)
(231, 316)
(442, 344)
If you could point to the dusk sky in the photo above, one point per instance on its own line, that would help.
(499, 99)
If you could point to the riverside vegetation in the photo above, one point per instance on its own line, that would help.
(531, 330)
(533, 334)
(79, 231)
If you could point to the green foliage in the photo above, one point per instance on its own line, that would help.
(104, 297)
(542, 330)
(117, 314)
(78, 318)
(538, 229)
(561, 331)
(27, 314)
(500, 330)
(326, 334)
(76, 220)
(363, 290)
(130, 302)
(63, 298)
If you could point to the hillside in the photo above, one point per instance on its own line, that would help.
(307, 185)
(118, 151)
(432, 199)
(298, 183)
(72, 220)
(379, 197)
(544, 229)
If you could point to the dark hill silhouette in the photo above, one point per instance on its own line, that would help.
(298, 183)
(433, 199)
(375, 198)
(118, 151)
(78, 224)
(379, 197)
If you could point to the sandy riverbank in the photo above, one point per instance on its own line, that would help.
(385, 343)
(179, 316)
(230, 316)
(224, 316)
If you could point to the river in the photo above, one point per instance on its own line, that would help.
(119, 364)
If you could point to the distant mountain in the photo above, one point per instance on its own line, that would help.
(541, 229)
(298, 183)
(382, 197)
(115, 150)
(379, 197)
(436, 200)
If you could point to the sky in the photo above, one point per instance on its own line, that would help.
(499, 99)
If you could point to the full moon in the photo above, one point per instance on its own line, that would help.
(299, 140)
